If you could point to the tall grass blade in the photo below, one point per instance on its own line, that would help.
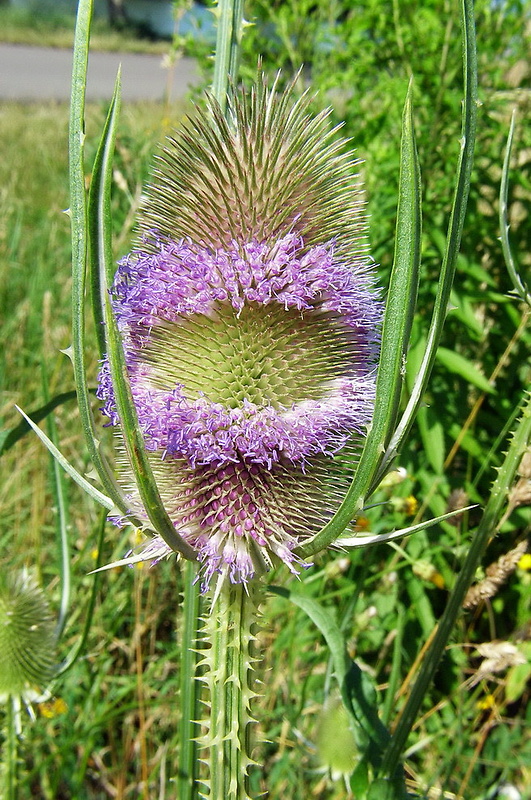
(61, 521)
(10, 437)
(89, 611)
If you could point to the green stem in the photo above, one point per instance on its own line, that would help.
(519, 286)
(227, 59)
(228, 668)
(189, 689)
(226, 63)
(10, 751)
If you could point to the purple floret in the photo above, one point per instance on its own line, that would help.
(204, 432)
(181, 280)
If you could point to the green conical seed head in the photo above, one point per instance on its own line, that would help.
(336, 745)
(250, 325)
(272, 168)
(27, 635)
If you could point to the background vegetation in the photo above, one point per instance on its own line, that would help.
(41, 24)
(108, 730)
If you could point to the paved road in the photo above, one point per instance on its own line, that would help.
(42, 73)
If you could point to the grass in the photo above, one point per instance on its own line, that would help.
(54, 29)
(113, 733)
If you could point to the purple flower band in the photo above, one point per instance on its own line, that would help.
(181, 279)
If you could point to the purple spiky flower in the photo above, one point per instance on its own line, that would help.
(250, 328)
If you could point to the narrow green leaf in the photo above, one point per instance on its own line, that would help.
(61, 520)
(432, 435)
(398, 320)
(464, 310)
(394, 678)
(357, 691)
(88, 613)
(9, 437)
(455, 362)
(78, 215)
(96, 495)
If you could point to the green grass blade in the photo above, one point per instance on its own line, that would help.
(519, 286)
(398, 320)
(393, 683)
(455, 229)
(61, 521)
(80, 644)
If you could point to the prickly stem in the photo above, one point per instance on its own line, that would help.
(227, 670)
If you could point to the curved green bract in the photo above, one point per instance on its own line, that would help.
(78, 215)
(453, 240)
(397, 324)
(99, 224)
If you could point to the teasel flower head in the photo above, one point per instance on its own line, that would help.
(27, 637)
(250, 327)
